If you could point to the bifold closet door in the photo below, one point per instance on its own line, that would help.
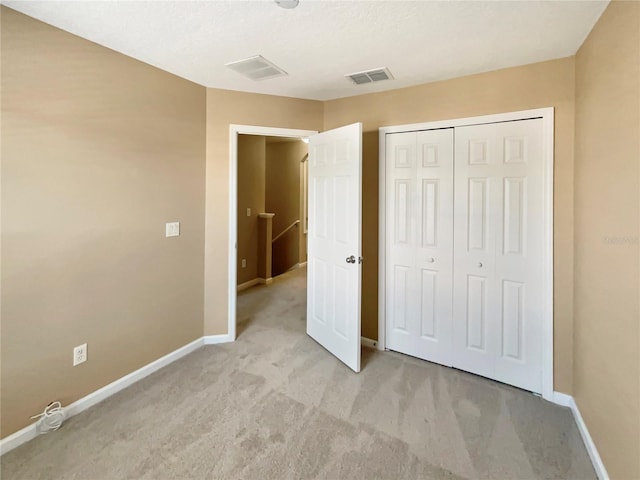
(498, 228)
(419, 261)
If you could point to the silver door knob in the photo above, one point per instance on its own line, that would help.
(351, 259)
(479, 264)
(431, 260)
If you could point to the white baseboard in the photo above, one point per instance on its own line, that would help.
(296, 266)
(568, 401)
(598, 465)
(249, 284)
(29, 432)
(367, 342)
(216, 339)
(562, 399)
(18, 438)
(253, 283)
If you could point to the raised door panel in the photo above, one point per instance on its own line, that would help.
(430, 214)
(513, 320)
(317, 289)
(429, 303)
(401, 217)
(477, 214)
(476, 313)
(514, 216)
(400, 298)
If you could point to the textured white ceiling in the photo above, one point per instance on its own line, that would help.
(320, 41)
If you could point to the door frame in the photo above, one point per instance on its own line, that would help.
(547, 116)
(234, 131)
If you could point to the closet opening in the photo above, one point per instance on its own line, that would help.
(466, 245)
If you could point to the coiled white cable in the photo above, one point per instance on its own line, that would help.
(50, 419)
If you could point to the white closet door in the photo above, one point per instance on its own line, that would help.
(419, 262)
(498, 275)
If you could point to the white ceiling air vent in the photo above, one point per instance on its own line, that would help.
(370, 76)
(287, 3)
(256, 68)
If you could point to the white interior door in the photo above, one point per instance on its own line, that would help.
(498, 232)
(335, 246)
(419, 258)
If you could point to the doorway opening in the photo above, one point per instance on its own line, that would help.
(267, 214)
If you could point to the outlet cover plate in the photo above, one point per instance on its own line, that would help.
(80, 354)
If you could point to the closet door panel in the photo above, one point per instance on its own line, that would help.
(419, 203)
(474, 298)
(434, 254)
(519, 241)
(498, 249)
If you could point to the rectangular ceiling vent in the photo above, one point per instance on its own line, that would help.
(256, 68)
(370, 76)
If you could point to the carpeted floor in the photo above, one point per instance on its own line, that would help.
(276, 405)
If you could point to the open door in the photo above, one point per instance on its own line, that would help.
(335, 242)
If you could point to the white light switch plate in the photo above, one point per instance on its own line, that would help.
(248, 212)
(172, 229)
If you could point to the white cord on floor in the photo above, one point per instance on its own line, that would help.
(50, 419)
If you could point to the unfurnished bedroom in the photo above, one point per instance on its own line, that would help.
(320, 239)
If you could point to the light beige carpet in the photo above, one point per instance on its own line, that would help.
(276, 405)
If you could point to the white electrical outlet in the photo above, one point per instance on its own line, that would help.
(248, 212)
(172, 229)
(80, 354)
(244, 263)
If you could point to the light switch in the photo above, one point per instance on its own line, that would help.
(248, 212)
(172, 229)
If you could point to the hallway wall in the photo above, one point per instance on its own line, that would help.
(251, 194)
(283, 197)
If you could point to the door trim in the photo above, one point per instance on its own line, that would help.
(547, 116)
(234, 131)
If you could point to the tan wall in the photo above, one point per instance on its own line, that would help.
(283, 198)
(547, 84)
(226, 107)
(98, 152)
(251, 194)
(607, 254)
